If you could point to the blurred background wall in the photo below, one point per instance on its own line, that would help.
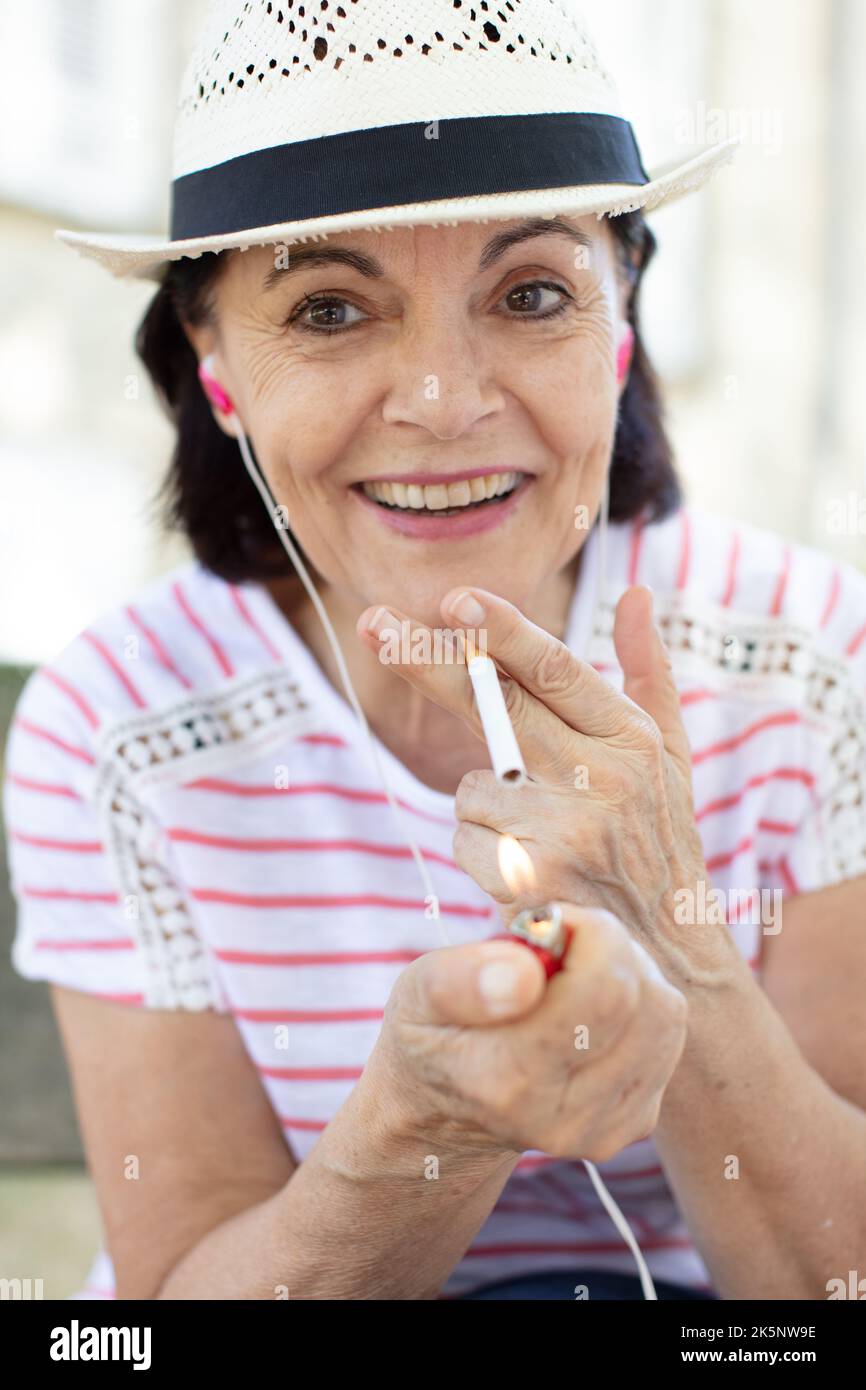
(753, 314)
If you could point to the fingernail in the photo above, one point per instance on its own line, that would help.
(498, 982)
(467, 609)
(382, 618)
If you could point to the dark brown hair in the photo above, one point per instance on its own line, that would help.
(208, 494)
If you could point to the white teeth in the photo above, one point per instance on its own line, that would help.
(436, 497)
(476, 489)
(441, 496)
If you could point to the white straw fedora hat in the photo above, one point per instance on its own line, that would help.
(298, 120)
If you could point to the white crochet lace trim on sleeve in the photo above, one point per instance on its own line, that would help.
(765, 659)
(195, 738)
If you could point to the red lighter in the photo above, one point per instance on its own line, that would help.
(544, 932)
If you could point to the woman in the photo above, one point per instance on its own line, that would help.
(283, 1091)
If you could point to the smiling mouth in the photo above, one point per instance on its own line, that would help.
(444, 499)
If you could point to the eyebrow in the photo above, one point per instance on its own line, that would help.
(309, 257)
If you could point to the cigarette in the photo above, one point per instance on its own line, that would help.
(498, 729)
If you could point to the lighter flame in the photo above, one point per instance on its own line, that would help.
(515, 865)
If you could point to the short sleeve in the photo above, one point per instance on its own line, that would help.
(97, 909)
(829, 844)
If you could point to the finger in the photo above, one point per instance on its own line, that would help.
(647, 671)
(600, 982)
(479, 800)
(544, 666)
(492, 845)
(407, 647)
(476, 851)
(485, 982)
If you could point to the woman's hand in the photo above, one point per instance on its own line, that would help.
(607, 816)
(477, 1050)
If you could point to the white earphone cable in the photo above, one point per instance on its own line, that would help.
(616, 1216)
(432, 899)
(607, 1201)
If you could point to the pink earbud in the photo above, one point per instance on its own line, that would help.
(212, 389)
(623, 356)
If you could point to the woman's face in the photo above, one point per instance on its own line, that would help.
(390, 381)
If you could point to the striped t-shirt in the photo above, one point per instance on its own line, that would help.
(195, 821)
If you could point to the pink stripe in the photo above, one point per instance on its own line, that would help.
(790, 882)
(720, 861)
(193, 618)
(745, 904)
(297, 958)
(37, 732)
(241, 605)
(530, 1162)
(74, 695)
(67, 895)
(227, 788)
(771, 721)
(533, 1161)
(48, 788)
(638, 1174)
(789, 774)
(685, 550)
(782, 868)
(117, 944)
(277, 846)
(634, 551)
(781, 583)
(328, 740)
(44, 842)
(267, 900)
(316, 1126)
(577, 1247)
(158, 649)
(111, 661)
(856, 641)
(777, 827)
(733, 559)
(832, 597)
(550, 1180)
(309, 1015)
(694, 697)
(311, 1073)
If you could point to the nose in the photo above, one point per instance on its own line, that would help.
(440, 380)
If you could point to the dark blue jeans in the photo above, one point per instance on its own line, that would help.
(600, 1283)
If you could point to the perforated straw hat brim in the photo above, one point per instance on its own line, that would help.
(298, 121)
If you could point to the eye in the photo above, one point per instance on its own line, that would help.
(528, 299)
(325, 313)
(328, 314)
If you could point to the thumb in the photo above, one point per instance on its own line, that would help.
(647, 672)
(486, 982)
